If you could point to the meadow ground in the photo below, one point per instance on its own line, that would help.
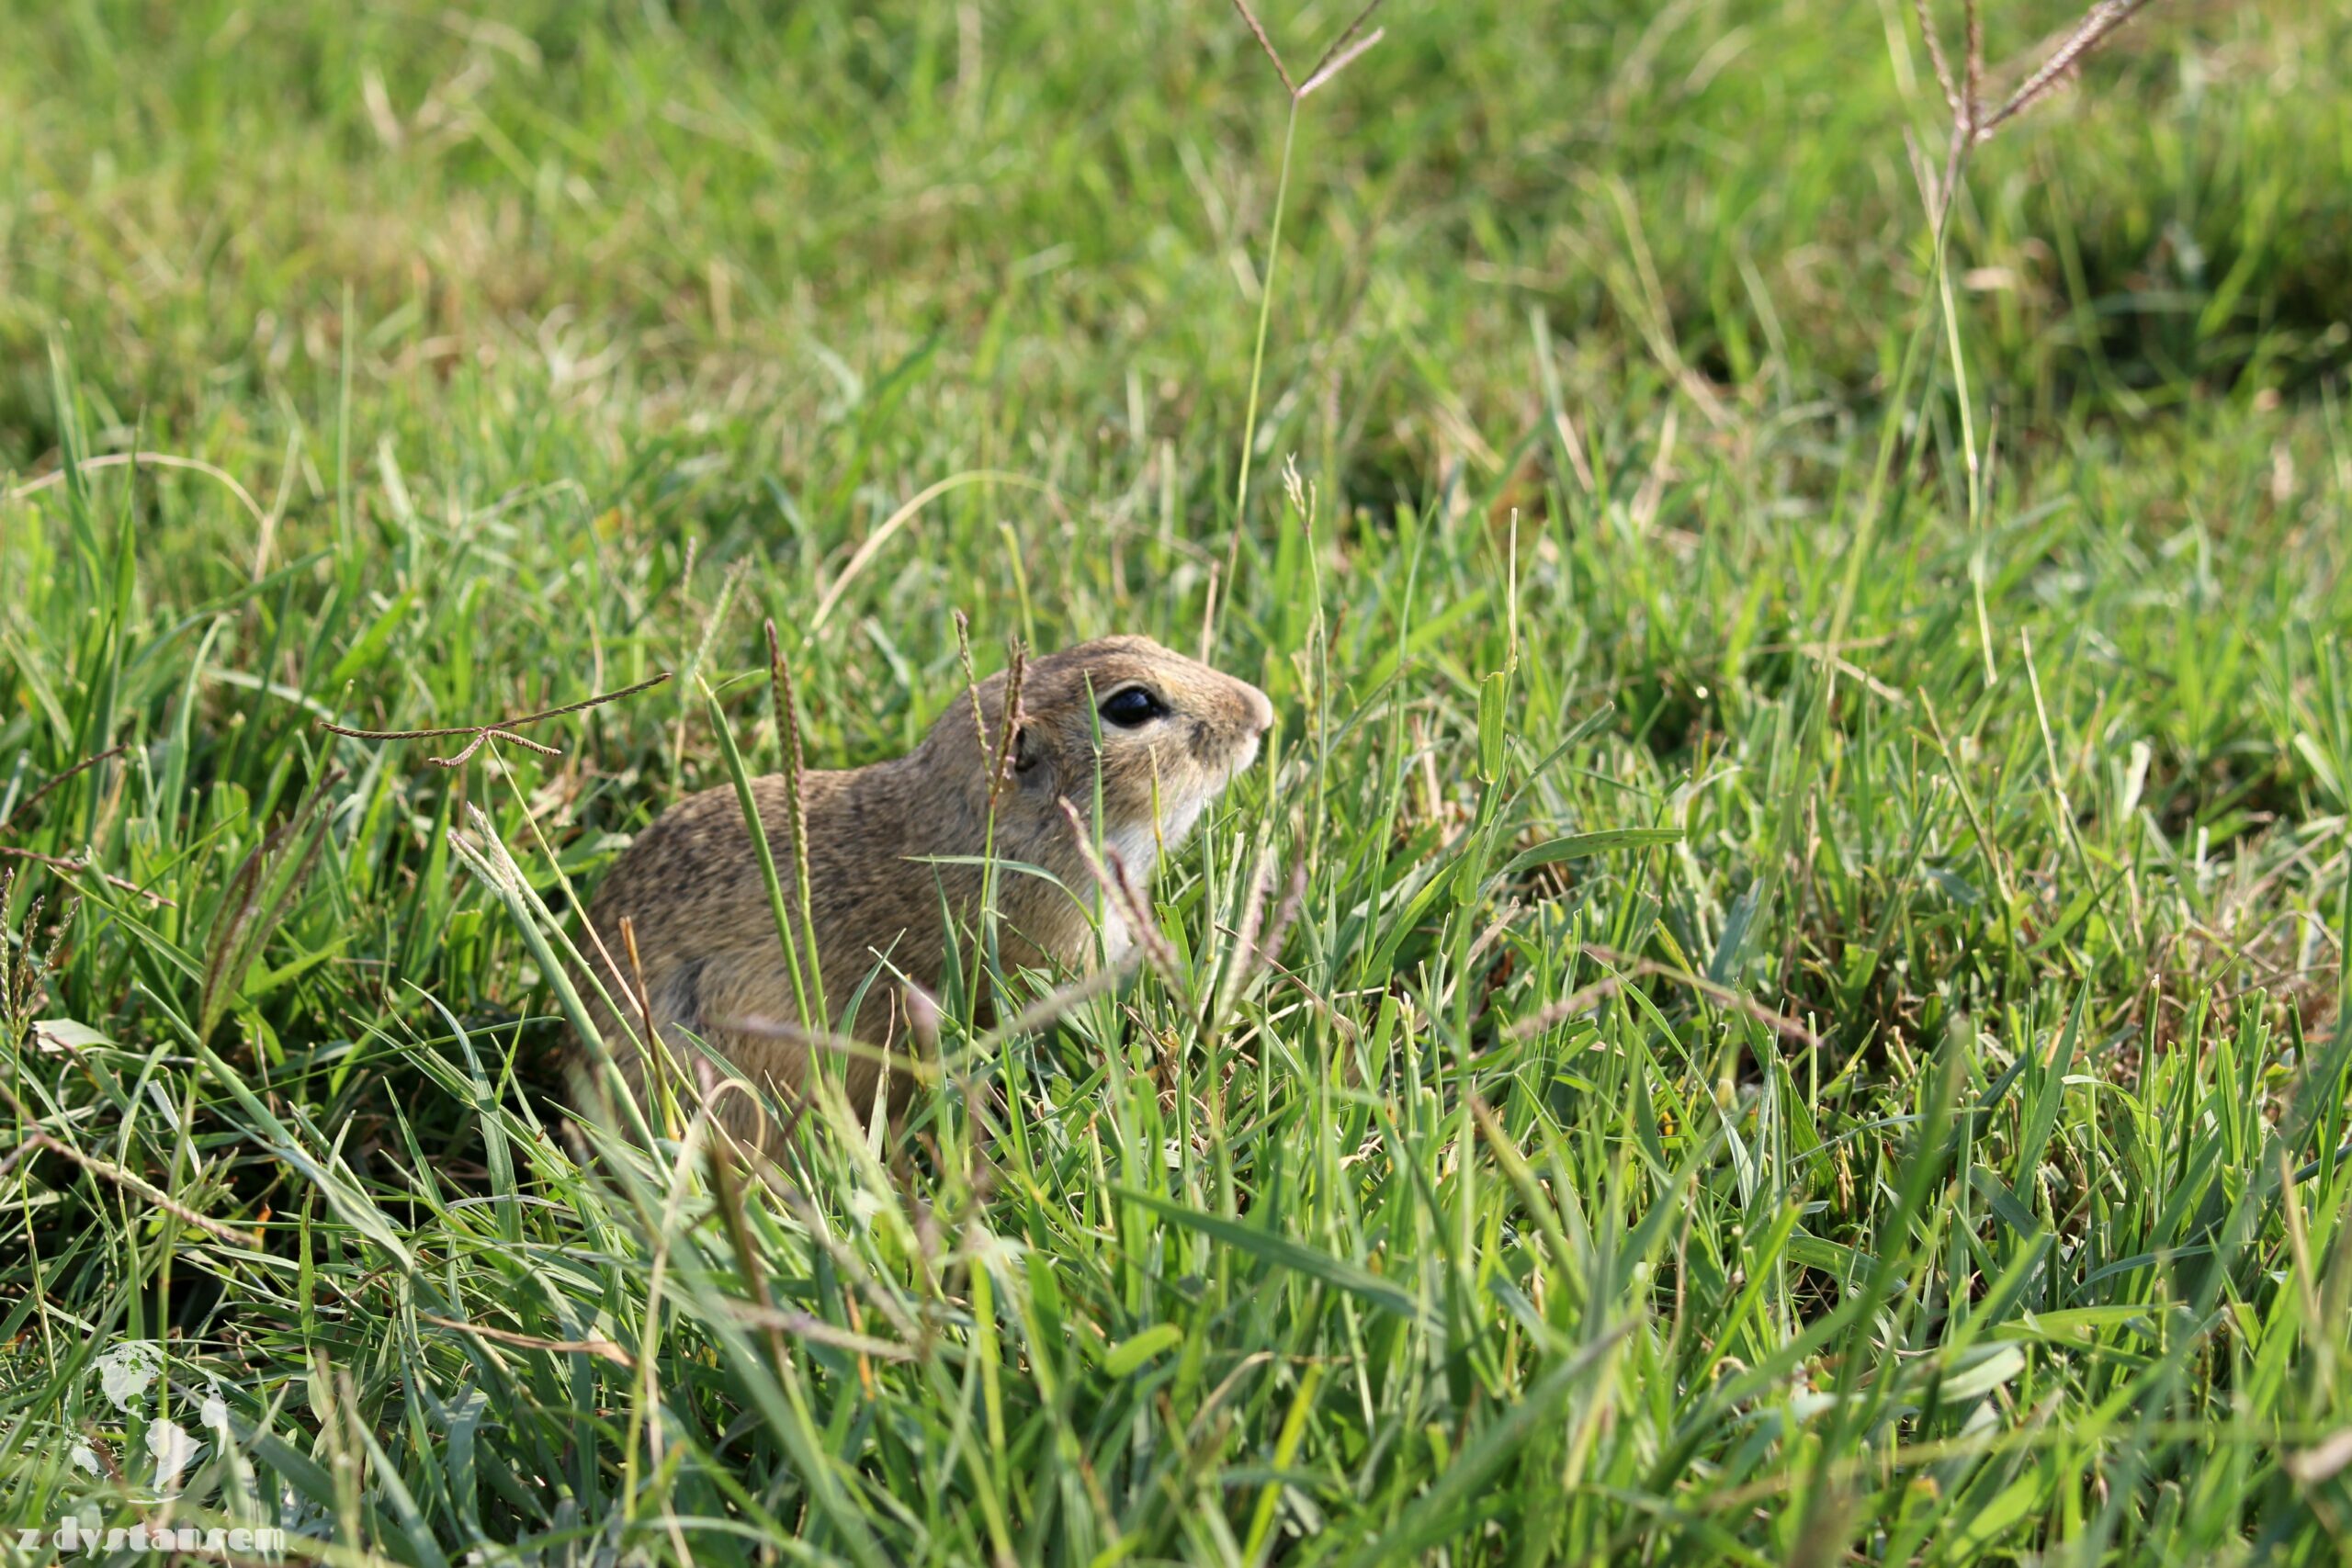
(1810, 1033)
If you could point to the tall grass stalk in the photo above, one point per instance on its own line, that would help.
(1343, 50)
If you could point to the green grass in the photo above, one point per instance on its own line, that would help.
(1910, 1177)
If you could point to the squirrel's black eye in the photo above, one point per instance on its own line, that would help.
(1133, 705)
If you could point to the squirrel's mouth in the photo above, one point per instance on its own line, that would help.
(1207, 739)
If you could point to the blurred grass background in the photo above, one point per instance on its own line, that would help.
(551, 346)
(710, 216)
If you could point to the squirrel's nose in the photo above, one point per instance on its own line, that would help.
(1261, 712)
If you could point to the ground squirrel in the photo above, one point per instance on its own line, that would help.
(1172, 733)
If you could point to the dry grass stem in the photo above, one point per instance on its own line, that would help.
(76, 868)
(603, 1349)
(86, 764)
(1630, 968)
(1972, 124)
(500, 729)
(153, 459)
(1258, 31)
(132, 1182)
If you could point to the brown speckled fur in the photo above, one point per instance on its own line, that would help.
(705, 935)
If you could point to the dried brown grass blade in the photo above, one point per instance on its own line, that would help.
(1249, 19)
(2098, 24)
(1342, 61)
(84, 765)
(501, 729)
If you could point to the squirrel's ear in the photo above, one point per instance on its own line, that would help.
(1026, 752)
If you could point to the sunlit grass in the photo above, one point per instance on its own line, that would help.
(1810, 1026)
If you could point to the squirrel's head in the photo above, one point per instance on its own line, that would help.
(1162, 733)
